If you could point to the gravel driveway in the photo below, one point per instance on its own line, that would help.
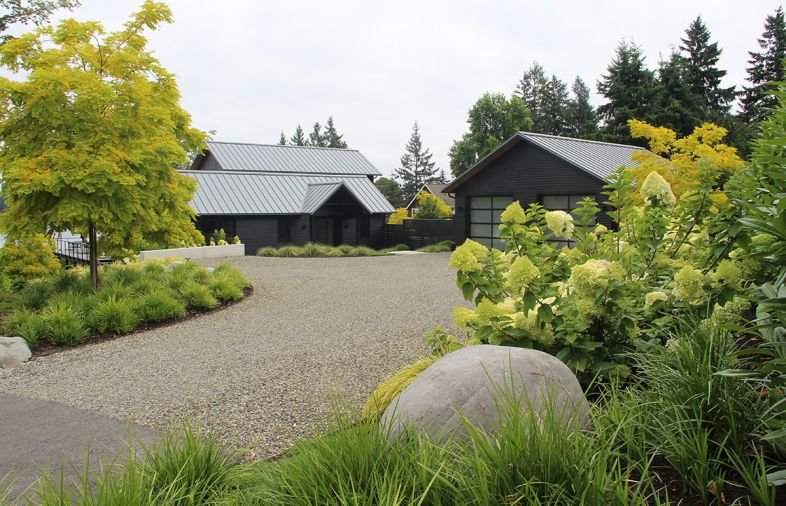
(264, 371)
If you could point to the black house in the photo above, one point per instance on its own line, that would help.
(272, 195)
(557, 172)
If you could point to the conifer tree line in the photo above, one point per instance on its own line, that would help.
(683, 91)
(320, 137)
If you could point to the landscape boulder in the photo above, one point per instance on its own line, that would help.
(472, 381)
(13, 352)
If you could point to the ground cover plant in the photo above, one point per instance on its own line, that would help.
(64, 309)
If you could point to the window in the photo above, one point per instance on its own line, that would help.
(283, 229)
(565, 203)
(484, 220)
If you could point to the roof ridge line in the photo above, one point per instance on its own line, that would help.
(281, 145)
(551, 136)
(274, 173)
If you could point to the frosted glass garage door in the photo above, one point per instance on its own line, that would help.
(484, 220)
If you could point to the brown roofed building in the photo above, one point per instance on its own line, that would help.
(436, 190)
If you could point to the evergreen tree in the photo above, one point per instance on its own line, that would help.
(702, 74)
(582, 121)
(765, 67)
(546, 99)
(331, 136)
(282, 140)
(316, 137)
(299, 138)
(416, 168)
(629, 88)
(492, 119)
(391, 190)
(441, 178)
(676, 106)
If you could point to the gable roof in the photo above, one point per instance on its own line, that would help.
(599, 159)
(436, 190)
(254, 193)
(275, 158)
(317, 194)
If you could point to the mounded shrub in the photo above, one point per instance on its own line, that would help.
(198, 296)
(35, 294)
(158, 306)
(224, 288)
(289, 251)
(237, 277)
(64, 323)
(314, 250)
(27, 324)
(267, 251)
(113, 315)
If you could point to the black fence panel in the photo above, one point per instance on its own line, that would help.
(419, 233)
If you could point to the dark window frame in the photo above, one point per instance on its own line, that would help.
(494, 211)
(569, 210)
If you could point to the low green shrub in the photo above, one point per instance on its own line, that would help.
(113, 315)
(314, 250)
(364, 251)
(346, 249)
(399, 247)
(289, 251)
(198, 296)
(234, 274)
(35, 294)
(224, 288)
(65, 324)
(27, 324)
(267, 251)
(158, 306)
(440, 247)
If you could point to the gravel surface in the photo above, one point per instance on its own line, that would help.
(266, 371)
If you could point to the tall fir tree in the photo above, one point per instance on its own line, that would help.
(332, 138)
(547, 100)
(676, 106)
(416, 168)
(766, 66)
(629, 89)
(282, 140)
(702, 72)
(581, 116)
(298, 138)
(316, 138)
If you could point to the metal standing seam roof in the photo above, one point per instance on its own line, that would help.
(235, 156)
(223, 192)
(598, 158)
(317, 194)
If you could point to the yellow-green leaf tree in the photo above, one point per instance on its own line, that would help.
(432, 207)
(91, 129)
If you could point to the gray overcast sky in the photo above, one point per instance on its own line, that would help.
(249, 69)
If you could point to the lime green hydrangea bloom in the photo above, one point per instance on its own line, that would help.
(514, 214)
(487, 310)
(727, 273)
(586, 278)
(466, 257)
(600, 228)
(463, 316)
(731, 312)
(655, 189)
(521, 273)
(529, 321)
(561, 223)
(688, 285)
(651, 298)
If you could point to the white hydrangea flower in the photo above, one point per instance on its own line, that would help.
(656, 189)
(561, 223)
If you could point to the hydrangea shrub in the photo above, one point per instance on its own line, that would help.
(615, 289)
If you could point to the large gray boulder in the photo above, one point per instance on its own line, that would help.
(13, 352)
(471, 381)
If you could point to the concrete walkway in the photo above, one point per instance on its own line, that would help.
(36, 435)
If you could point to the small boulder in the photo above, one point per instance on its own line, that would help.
(471, 380)
(13, 352)
(171, 267)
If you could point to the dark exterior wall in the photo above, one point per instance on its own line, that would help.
(377, 229)
(209, 163)
(256, 232)
(300, 229)
(526, 172)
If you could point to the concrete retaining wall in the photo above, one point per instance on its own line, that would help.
(230, 250)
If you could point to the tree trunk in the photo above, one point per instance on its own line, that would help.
(93, 256)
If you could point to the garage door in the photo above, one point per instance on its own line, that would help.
(484, 219)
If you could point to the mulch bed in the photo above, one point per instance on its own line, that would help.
(49, 349)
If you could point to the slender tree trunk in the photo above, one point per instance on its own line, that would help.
(93, 256)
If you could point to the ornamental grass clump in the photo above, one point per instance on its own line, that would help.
(65, 323)
(198, 296)
(113, 315)
(158, 306)
(27, 324)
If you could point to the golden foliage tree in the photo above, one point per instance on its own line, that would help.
(678, 160)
